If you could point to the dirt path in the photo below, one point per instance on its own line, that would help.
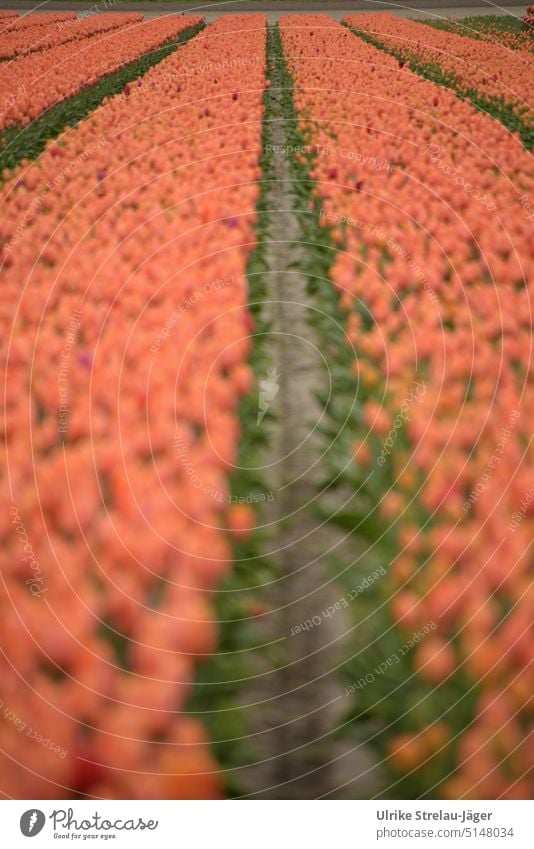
(301, 701)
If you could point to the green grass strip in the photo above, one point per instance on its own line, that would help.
(494, 107)
(224, 677)
(17, 143)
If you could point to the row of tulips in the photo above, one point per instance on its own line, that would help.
(33, 83)
(529, 17)
(125, 338)
(29, 40)
(425, 198)
(7, 15)
(26, 22)
(490, 70)
(489, 28)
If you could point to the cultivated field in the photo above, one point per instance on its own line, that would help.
(268, 474)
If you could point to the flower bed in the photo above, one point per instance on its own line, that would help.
(429, 202)
(25, 22)
(124, 250)
(20, 42)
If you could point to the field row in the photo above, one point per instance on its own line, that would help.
(12, 22)
(128, 551)
(434, 271)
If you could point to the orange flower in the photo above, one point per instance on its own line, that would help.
(241, 520)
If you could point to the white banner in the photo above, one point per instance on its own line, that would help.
(267, 824)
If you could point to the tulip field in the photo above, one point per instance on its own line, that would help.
(268, 393)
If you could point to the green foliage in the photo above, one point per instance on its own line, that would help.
(217, 695)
